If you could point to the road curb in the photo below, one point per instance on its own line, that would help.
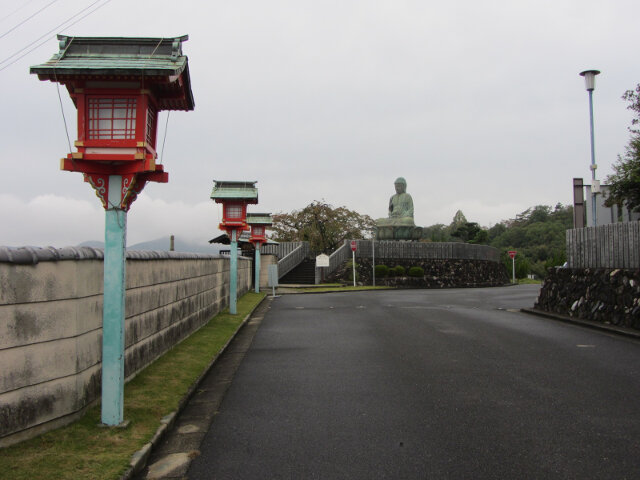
(139, 459)
(627, 332)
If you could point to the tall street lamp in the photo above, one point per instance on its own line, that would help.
(118, 86)
(590, 82)
(234, 196)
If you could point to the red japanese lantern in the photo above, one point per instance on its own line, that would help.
(118, 86)
(259, 223)
(234, 197)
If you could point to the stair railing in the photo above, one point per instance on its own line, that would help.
(338, 257)
(293, 259)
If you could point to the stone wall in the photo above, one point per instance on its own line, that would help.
(426, 250)
(442, 273)
(51, 324)
(610, 296)
(265, 261)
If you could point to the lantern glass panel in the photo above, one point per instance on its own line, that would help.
(112, 118)
(234, 211)
(151, 126)
(258, 231)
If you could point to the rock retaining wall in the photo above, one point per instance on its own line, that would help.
(610, 296)
(445, 273)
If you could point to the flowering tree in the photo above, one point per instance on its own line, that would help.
(324, 227)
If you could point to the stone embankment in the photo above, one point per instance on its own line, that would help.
(609, 296)
(446, 273)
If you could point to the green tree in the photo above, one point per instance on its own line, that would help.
(497, 230)
(322, 225)
(436, 233)
(538, 235)
(458, 220)
(469, 232)
(624, 183)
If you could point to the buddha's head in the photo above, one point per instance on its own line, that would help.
(401, 185)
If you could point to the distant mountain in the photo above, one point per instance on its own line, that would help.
(162, 244)
(92, 244)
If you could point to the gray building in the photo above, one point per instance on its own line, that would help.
(582, 207)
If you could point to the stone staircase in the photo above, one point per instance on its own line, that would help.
(303, 274)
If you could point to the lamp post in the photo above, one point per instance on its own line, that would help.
(118, 86)
(258, 223)
(590, 83)
(234, 196)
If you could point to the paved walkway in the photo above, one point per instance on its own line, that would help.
(181, 445)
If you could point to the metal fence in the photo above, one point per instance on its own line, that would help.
(616, 245)
(419, 250)
(282, 249)
(338, 257)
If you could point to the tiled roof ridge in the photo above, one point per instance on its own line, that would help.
(34, 255)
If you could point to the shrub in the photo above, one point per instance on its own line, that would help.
(398, 271)
(381, 271)
(416, 272)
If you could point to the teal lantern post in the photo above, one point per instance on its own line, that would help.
(234, 197)
(118, 86)
(258, 223)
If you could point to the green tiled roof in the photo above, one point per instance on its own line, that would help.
(235, 190)
(259, 219)
(119, 57)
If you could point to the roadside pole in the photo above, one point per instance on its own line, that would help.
(354, 246)
(373, 261)
(512, 254)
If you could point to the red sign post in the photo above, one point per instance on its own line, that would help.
(354, 247)
(512, 256)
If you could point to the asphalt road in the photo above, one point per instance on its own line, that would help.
(426, 384)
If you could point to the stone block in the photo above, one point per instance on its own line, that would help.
(33, 406)
(37, 363)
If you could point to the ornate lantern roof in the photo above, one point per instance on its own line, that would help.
(242, 191)
(259, 223)
(235, 196)
(158, 62)
(263, 219)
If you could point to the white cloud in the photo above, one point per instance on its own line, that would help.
(49, 220)
(52, 220)
(479, 105)
(150, 218)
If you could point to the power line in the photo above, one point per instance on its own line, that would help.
(28, 18)
(15, 11)
(49, 33)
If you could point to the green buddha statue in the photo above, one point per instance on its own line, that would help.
(400, 207)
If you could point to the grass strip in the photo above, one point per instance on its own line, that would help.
(84, 450)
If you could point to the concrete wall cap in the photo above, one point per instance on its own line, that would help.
(34, 255)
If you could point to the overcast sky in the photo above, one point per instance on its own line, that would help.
(478, 104)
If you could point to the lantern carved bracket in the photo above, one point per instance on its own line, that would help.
(132, 185)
